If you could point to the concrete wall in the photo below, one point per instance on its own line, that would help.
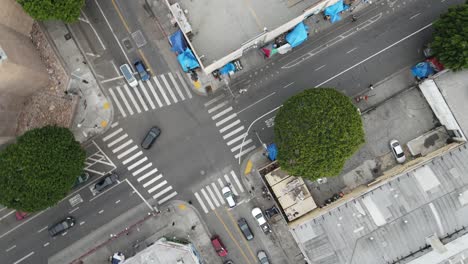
(22, 72)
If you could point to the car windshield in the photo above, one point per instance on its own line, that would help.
(227, 194)
(399, 155)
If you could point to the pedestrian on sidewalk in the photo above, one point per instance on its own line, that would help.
(353, 18)
(371, 86)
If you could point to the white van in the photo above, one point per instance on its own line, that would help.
(128, 75)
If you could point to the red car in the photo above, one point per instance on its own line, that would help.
(20, 215)
(219, 246)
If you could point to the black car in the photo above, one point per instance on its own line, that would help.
(105, 183)
(62, 226)
(244, 227)
(81, 179)
(150, 137)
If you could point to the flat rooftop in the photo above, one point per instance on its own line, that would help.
(220, 27)
(393, 220)
(163, 252)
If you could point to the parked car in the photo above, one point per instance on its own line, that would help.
(84, 177)
(150, 137)
(258, 215)
(20, 215)
(62, 226)
(229, 196)
(397, 151)
(244, 227)
(128, 75)
(104, 183)
(141, 69)
(262, 257)
(219, 246)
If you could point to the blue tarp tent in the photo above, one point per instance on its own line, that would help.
(178, 42)
(297, 35)
(272, 151)
(230, 67)
(187, 60)
(422, 70)
(334, 11)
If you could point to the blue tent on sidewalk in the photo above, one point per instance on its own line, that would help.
(297, 35)
(187, 60)
(272, 151)
(230, 67)
(422, 70)
(334, 11)
(178, 42)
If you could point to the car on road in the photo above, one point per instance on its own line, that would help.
(104, 183)
(150, 137)
(84, 177)
(244, 227)
(20, 215)
(229, 196)
(128, 75)
(258, 215)
(141, 69)
(397, 151)
(262, 257)
(62, 226)
(219, 246)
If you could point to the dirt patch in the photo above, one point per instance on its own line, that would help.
(48, 106)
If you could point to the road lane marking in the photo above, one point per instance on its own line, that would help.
(176, 86)
(236, 139)
(148, 174)
(212, 196)
(5, 216)
(232, 133)
(124, 99)
(287, 85)
(100, 194)
(46, 244)
(119, 106)
(101, 211)
(201, 202)
(226, 177)
(351, 50)
(129, 93)
(131, 167)
(10, 248)
(214, 100)
(237, 181)
(232, 237)
(225, 120)
(319, 67)
(148, 183)
(118, 201)
(227, 110)
(161, 90)
(240, 145)
(205, 195)
(42, 229)
(23, 258)
(221, 199)
(64, 233)
(254, 257)
(128, 151)
(82, 222)
(162, 192)
(126, 143)
(414, 16)
(187, 90)
(112, 134)
(169, 88)
(256, 102)
(245, 151)
(216, 107)
(132, 157)
(94, 30)
(141, 196)
(167, 198)
(229, 126)
(142, 169)
(159, 185)
(147, 95)
(74, 210)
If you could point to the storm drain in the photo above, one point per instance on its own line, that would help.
(139, 38)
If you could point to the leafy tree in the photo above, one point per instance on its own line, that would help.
(40, 169)
(316, 131)
(450, 43)
(66, 10)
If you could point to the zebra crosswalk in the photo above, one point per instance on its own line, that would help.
(154, 93)
(211, 193)
(230, 127)
(138, 164)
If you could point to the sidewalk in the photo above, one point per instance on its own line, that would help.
(94, 112)
(175, 220)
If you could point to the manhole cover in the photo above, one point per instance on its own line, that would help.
(139, 38)
(128, 44)
(68, 36)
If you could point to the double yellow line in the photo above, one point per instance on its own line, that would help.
(129, 32)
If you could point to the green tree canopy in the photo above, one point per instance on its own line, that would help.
(450, 43)
(40, 169)
(316, 131)
(66, 10)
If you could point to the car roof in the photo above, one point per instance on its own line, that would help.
(256, 211)
(226, 189)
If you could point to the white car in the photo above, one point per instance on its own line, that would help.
(258, 215)
(229, 196)
(397, 151)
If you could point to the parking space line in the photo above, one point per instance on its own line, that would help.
(227, 110)
(129, 93)
(176, 86)
(221, 199)
(10, 248)
(187, 90)
(232, 133)
(226, 177)
(126, 143)
(162, 192)
(201, 202)
(132, 157)
(124, 99)
(153, 171)
(147, 95)
(117, 140)
(225, 120)
(169, 88)
(161, 184)
(142, 169)
(207, 199)
(237, 181)
(229, 126)
(128, 151)
(161, 90)
(119, 106)
(112, 134)
(167, 198)
(137, 163)
(155, 94)
(212, 196)
(23, 258)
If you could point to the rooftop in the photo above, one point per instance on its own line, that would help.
(220, 27)
(392, 221)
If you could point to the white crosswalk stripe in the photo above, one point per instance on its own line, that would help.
(212, 196)
(169, 88)
(117, 140)
(135, 173)
(187, 90)
(137, 91)
(207, 199)
(232, 133)
(161, 90)
(124, 98)
(153, 171)
(218, 193)
(131, 167)
(218, 106)
(226, 177)
(214, 100)
(128, 151)
(235, 123)
(132, 157)
(126, 143)
(236, 139)
(159, 185)
(176, 86)
(200, 201)
(145, 92)
(148, 183)
(155, 94)
(129, 93)
(233, 174)
(165, 199)
(241, 144)
(119, 106)
(156, 196)
(112, 134)
(225, 120)
(227, 110)
(244, 151)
